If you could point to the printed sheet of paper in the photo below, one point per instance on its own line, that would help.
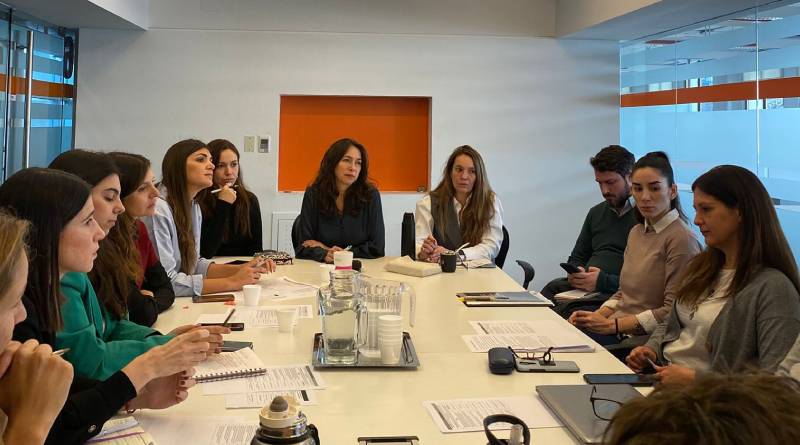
(171, 429)
(123, 431)
(256, 316)
(228, 363)
(262, 399)
(276, 378)
(525, 335)
(465, 415)
(284, 288)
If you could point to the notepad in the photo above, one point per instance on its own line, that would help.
(521, 298)
(229, 365)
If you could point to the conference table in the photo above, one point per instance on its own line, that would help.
(362, 402)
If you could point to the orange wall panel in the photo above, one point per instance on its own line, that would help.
(394, 130)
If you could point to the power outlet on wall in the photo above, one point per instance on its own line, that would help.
(263, 144)
(250, 144)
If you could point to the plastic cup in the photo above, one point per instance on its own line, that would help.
(390, 353)
(343, 259)
(325, 273)
(286, 319)
(252, 294)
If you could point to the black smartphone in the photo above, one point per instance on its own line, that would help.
(610, 379)
(570, 268)
(212, 298)
(231, 326)
(231, 346)
(236, 262)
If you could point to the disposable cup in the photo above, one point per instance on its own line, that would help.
(390, 353)
(325, 273)
(252, 294)
(286, 319)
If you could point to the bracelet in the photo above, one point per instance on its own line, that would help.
(616, 327)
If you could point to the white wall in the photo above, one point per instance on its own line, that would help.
(536, 108)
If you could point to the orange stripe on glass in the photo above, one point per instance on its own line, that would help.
(40, 88)
(765, 89)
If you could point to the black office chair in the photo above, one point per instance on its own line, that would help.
(500, 259)
(408, 243)
(527, 269)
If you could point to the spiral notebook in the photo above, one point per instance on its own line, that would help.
(229, 365)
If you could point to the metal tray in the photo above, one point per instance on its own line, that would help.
(408, 357)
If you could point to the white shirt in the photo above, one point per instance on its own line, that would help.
(489, 246)
(164, 236)
(690, 348)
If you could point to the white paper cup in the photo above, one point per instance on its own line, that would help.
(390, 353)
(252, 294)
(286, 318)
(343, 259)
(325, 273)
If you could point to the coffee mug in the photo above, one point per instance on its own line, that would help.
(448, 260)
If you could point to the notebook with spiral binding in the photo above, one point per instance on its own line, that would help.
(229, 365)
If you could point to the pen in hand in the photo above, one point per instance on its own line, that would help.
(227, 319)
(60, 352)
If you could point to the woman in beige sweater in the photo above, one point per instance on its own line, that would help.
(658, 250)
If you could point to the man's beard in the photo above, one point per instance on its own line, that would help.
(616, 201)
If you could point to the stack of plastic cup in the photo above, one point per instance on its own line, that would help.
(390, 338)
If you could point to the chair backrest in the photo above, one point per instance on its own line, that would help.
(528, 271)
(408, 243)
(501, 256)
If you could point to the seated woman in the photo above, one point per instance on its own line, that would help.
(64, 235)
(462, 209)
(117, 271)
(174, 229)
(232, 216)
(659, 248)
(738, 306)
(150, 290)
(341, 207)
(34, 383)
(791, 363)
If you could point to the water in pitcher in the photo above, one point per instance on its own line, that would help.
(339, 314)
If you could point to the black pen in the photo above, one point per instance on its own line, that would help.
(230, 314)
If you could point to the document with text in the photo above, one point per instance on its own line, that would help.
(262, 399)
(538, 335)
(256, 316)
(276, 378)
(465, 415)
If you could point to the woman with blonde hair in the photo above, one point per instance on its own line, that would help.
(462, 209)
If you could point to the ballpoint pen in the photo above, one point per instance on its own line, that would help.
(230, 314)
(219, 189)
(60, 352)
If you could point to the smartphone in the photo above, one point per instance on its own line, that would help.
(236, 262)
(570, 268)
(212, 298)
(610, 379)
(231, 346)
(231, 326)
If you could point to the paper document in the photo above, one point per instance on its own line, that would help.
(276, 378)
(122, 431)
(256, 316)
(464, 415)
(525, 335)
(262, 399)
(171, 429)
(570, 295)
(284, 288)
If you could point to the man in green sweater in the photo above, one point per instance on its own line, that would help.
(601, 244)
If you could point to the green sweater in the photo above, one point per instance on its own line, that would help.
(99, 344)
(601, 244)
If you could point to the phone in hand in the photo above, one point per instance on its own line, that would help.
(570, 268)
(232, 326)
(610, 379)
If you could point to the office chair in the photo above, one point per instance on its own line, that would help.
(407, 236)
(528, 271)
(501, 256)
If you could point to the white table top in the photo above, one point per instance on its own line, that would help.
(381, 402)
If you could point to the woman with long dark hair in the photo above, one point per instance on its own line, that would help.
(658, 251)
(462, 209)
(175, 227)
(231, 216)
(738, 306)
(341, 208)
(149, 288)
(134, 371)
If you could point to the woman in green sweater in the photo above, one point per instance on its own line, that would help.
(738, 306)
